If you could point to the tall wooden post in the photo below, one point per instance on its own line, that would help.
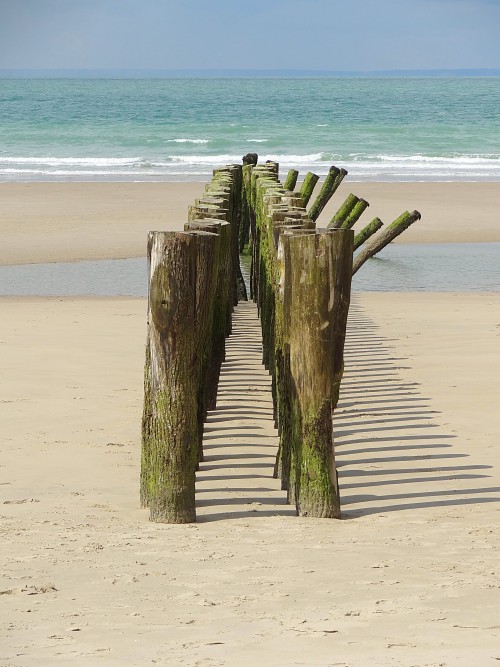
(170, 426)
(318, 268)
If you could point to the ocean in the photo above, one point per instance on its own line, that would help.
(406, 129)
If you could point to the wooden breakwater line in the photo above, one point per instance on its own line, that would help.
(300, 280)
(193, 287)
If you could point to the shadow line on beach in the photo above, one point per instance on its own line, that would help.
(381, 412)
(240, 441)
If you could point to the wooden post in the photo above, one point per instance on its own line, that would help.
(222, 307)
(384, 238)
(198, 212)
(250, 159)
(343, 213)
(307, 188)
(207, 268)
(281, 372)
(245, 222)
(359, 207)
(332, 181)
(291, 180)
(317, 270)
(170, 428)
(367, 231)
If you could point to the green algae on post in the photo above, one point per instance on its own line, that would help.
(367, 231)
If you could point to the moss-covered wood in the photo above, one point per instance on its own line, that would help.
(170, 427)
(308, 185)
(291, 180)
(207, 266)
(281, 367)
(379, 241)
(330, 185)
(367, 231)
(344, 212)
(317, 272)
(358, 209)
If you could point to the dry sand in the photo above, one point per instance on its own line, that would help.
(410, 577)
(53, 222)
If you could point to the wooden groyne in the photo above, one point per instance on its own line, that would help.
(300, 279)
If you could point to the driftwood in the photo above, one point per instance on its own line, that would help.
(379, 241)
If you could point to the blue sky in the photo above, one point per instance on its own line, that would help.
(250, 34)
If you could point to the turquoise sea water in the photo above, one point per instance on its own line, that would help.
(180, 129)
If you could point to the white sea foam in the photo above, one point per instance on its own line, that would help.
(382, 167)
(72, 161)
(187, 141)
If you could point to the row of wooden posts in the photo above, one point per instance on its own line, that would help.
(301, 282)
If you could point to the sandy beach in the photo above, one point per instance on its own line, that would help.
(409, 577)
(72, 221)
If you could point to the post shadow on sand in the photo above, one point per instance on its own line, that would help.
(235, 479)
(385, 436)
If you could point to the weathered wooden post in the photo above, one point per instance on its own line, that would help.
(379, 241)
(291, 180)
(308, 185)
(208, 242)
(332, 181)
(320, 266)
(359, 207)
(281, 374)
(343, 213)
(367, 231)
(170, 426)
(222, 304)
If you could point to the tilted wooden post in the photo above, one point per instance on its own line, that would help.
(308, 186)
(359, 207)
(332, 181)
(319, 266)
(170, 426)
(384, 238)
(367, 231)
(291, 179)
(344, 212)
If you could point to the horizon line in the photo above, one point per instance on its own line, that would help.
(235, 72)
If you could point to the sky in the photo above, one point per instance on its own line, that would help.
(338, 35)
